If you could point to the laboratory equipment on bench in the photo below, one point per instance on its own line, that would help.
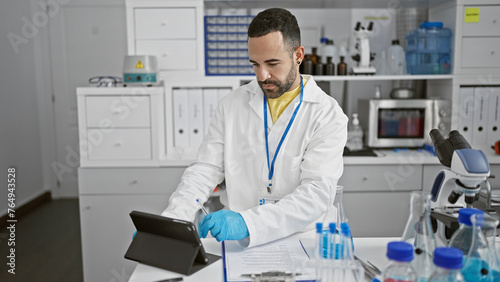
(481, 262)
(335, 214)
(448, 263)
(419, 233)
(399, 268)
(140, 70)
(105, 81)
(363, 45)
(466, 169)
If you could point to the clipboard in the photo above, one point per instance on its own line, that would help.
(167, 243)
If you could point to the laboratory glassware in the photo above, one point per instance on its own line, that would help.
(399, 268)
(342, 67)
(419, 233)
(335, 213)
(329, 66)
(448, 263)
(481, 262)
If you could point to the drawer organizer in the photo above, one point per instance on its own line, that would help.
(226, 47)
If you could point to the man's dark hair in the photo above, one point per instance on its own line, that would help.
(276, 19)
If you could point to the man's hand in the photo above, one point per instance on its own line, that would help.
(224, 225)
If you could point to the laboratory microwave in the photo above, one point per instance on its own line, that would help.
(397, 123)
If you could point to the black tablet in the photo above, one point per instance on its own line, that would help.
(167, 243)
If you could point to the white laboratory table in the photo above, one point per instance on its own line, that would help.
(367, 249)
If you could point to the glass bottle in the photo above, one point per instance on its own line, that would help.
(342, 67)
(329, 67)
(318, 68)
(400, 255)
(307, 65)
(419, 233)
(448, 263)
(314, 56)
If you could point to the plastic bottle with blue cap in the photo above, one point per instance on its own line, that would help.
(399, 268)
(448, 263)
(480, 261)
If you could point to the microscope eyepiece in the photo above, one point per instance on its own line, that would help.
(370, 26)
(436, 136)
(458, 141)
(358, 26)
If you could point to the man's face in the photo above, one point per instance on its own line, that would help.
(273, 64)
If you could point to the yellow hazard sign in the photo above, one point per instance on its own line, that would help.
(139, 65)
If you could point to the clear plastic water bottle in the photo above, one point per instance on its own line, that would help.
(448, 263)
(399, 269)
(355, 134)
(428, 49)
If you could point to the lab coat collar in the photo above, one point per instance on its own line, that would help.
(311, 94)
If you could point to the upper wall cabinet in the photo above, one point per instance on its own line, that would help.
(170, 30)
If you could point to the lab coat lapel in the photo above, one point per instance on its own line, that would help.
(257, 103)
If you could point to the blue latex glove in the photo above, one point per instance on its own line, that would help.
(224, 225)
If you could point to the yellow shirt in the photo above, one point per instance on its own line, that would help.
(278, 105)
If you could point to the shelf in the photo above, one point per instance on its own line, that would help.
(380, 77)
(358, 77)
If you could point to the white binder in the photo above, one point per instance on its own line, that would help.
(480, 116)
(494, 116)
(180, 104)
(210, 101)
(465, 112)
(195, 113)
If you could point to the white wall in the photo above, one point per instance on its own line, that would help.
(20, 141)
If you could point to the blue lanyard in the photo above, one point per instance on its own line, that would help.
(270, 166)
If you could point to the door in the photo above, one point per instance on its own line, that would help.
(87, 38)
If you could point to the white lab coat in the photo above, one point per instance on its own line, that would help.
(234, 149)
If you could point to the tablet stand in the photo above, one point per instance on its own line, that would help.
(167, 253)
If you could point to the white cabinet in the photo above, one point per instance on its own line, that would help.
(165, 23)
(106, 197)
(481, 20)
(481, 52)
(120, 126)
(170, 30)
(376, 198)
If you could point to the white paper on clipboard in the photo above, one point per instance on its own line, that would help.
(286, 255)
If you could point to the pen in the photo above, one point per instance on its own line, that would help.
(202, 207)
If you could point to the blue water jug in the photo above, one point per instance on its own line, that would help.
(428, 49)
